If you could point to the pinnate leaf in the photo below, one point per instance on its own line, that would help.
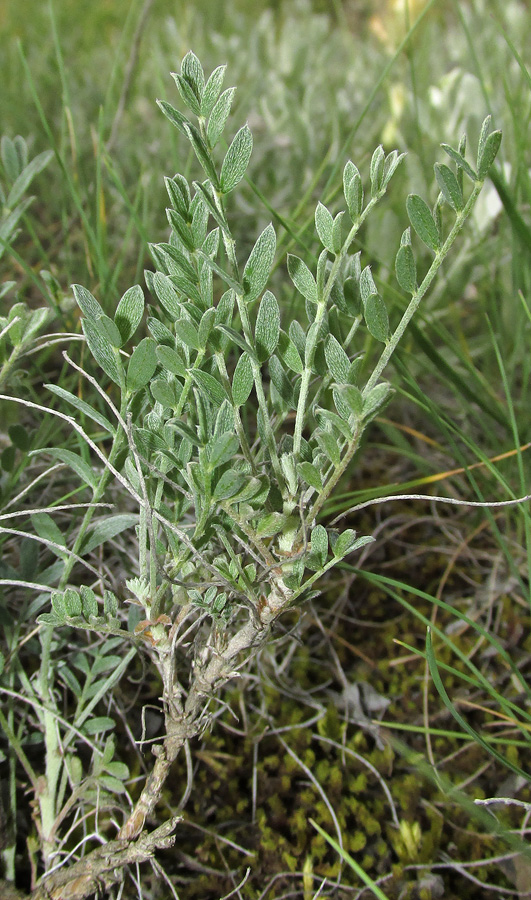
(242, 380)
(258, 266)
(142, 365)
(489, 153)
(129, 312)
(87, 303)
(302, 278)
(267, 328)
(236, 160)
(212, 90)
(218, 116)
(103, 351)
(324, 224)
(423, 222)
(449, 186)
(405, 266)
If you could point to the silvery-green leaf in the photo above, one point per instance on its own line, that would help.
(88, 304)
(181, 228)
(319, 543)
(187, 93)
(110, 604)
(483, 135)
(108, 528)
(324, 225)
(102, 351)
(337, 231)
(236, 160)
(270, 524)
(181, 264)
(228, 485)
(352, 397)
(449, 186)
(192, 71)
(176, 118)
(89, 602)
(224, 419)
(50, 619)
(344, 543)
(347, 543)
(201, 151)
(288, 353)
(211, 388)
(219, 116)
(212, 90)
(281, 381)
(199, 224)
(129, 312)
(208, 193)
(142, 365)
(258, 266)
(460, 161)
(81, 406)
(297, 335)
(242, 380)
(377, 170)
(367, 285)
(391, 164)
(148, 442)
(160, 333)
(165, 392)
(228, 279)
(376, 318)
(313, 332)
(238, 339)
(267, 329)
(109, 330)
(72, 603)
(187, 333)
(289, 470)
(221, 449)
(118, 770)
(171, 360)
(302, 278)
(179, 194)
(186, 432)
(205, 326)
(423, 222)
(339, 422)
(97, 726)
(329, 445)
(489, 153)
(351, 293)
(311, 475)
(352, 189)
(225, 312)
(167, 294)
(405, 266)
(375, 399)
(322, 269)
(341, 404)
(58, 605)
(82, 469)
(337, 360)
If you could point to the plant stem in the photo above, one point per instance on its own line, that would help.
(414, 303)
(313, 335)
